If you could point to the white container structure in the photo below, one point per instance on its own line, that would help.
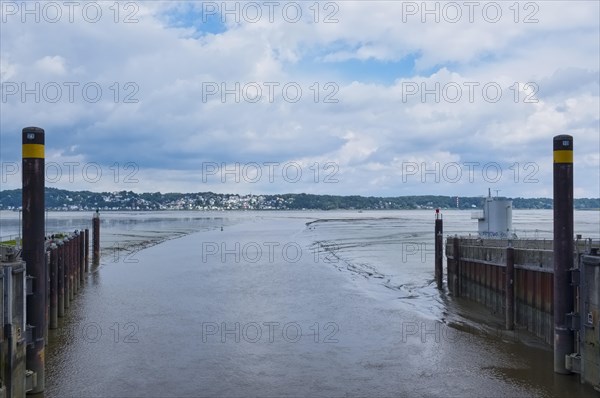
(495, 221)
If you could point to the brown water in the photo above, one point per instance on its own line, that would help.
(271, 306)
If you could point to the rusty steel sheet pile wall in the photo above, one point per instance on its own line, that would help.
(479, 274)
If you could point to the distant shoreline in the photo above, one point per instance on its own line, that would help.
(58, 210)
(59, 199)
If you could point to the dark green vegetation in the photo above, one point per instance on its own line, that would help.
(59, 199)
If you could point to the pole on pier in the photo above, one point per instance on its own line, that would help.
(53, 286)
(82, 269)
(71, 268)
(73, 263)
(60, 279)
(96, 236)
(34, 246)
(67, 272)
(439, 248)
(87, 250)
(563, 249)
(509, 288)
(76, 246)
(47, 300)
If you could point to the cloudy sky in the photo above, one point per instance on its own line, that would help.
(348, 97)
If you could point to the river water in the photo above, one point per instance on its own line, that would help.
(287, 304)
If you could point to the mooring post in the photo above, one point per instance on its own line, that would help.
(563, 249)
(86, 250)
(73, 257)
(53, 323)
(67, 282)
(439, 248)
(456, 255)
(81, 257)
(33, 254)
(69, 270)
(74, 263)
(509, 288)
(71, 267)
(60, 280)
(96, 236)
(76, 246)
(48, 256)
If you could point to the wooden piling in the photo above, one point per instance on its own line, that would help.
(76, 280)
(67, 282)
(48, 260)
(82, 270)
(96, 236)
(60, 279)
(53, 322)
(86, 250)
(71, 267)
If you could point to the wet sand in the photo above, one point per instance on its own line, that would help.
(271, 306)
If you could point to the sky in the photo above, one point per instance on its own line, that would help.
(372, 98)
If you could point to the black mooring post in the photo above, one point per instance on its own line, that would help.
(563, 249)
(47, 305)
(87, 250)
(53, 322)
(82, 269)
(439, 247)
(96, 236)
(60, 279)
(34, 252)
(76, 245)
(71, 267)
(67, 273)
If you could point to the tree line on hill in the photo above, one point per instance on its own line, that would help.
(59, 199)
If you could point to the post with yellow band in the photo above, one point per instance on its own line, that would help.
(563, 250)
(34, 248)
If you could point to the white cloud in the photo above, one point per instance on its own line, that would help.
(53, 65)
(368, 132)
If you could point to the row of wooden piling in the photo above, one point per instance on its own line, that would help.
(64, 265)
(68, 265)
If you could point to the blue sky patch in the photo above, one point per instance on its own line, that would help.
(194, 15)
